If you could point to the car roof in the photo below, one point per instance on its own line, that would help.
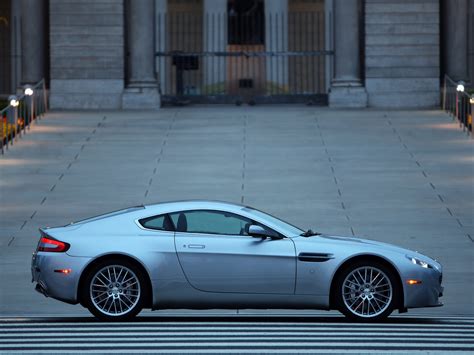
(193, 204)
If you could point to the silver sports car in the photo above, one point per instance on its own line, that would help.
(206, 254)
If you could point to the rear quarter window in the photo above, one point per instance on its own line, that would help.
(161, 222)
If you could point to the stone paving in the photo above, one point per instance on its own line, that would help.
(405, 177)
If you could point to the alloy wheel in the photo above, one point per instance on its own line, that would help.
(115, 290)
(367, 292)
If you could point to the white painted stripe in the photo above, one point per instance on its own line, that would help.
(227, 344)
(296, 323)
(410, 334)
(232, 351)
(122, 340)
(249, 327)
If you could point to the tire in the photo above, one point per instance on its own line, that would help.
(114, 290)
(367, 291)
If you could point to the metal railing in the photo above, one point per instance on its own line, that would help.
(16, 118)
(458, 103)
(233, 57)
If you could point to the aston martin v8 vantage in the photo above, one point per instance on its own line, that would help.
(207, 255)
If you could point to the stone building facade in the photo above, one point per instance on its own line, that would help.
(136, 54)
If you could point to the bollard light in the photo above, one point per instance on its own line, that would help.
(29, 91)
(13, 101)
(460, 86)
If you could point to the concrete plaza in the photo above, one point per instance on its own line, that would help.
(404, 177)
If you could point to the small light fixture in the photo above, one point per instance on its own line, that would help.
(63, 271)
(471, 100)
(13, 101)
(460, 86)
(29, 91)
(413, 282)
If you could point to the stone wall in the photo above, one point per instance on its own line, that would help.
(402, 66)
(87, 54)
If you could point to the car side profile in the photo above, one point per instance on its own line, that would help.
(208, 255)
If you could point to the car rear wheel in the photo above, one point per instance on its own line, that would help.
(114, 290)
(366, 291)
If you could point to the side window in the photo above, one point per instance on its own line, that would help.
(210, 222)
(161, 222)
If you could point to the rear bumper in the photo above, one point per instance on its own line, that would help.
(54, 284)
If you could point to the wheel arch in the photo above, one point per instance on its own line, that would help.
(115, 256)
(367, 257)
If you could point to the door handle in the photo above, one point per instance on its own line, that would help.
(196, 246)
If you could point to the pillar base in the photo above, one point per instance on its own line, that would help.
(347, 97)
(145, 98)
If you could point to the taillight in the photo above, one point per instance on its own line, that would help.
(52, 245)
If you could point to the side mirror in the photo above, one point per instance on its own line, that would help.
(260, 232)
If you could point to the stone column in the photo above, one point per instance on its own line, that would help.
(215, 40)
(346, 88)
(161, 11)
(33, 41)
(276, 40)
(455, 18)
(142, 88)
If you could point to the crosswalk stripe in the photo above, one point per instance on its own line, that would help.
(238, 336)
(225, 333)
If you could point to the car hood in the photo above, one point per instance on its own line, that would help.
(359, 243)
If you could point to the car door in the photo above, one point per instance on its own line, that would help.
(217, 255)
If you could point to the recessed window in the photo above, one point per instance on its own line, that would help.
(162, 222)
(246, 22)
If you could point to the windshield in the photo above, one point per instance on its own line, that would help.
(293, 230)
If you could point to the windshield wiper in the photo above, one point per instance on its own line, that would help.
(309, 233)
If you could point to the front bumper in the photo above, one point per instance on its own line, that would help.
(50, 282)
(428, 292)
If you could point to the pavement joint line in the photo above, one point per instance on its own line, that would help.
(431, 184)
(23, 225)
(52, 187)
(34, 213)
(449, 211)
(11, 241)
(469, 236)
(160, 154)
(43, 201)
(244, 157)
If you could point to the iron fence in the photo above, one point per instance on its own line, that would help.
(16, 118)
(457, 102)
(220, 58)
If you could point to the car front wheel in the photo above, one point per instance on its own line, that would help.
(114, 290)
(366, 291)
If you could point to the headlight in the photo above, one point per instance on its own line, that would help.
(419, 262)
